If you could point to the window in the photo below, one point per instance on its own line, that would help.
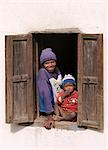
(78, 54)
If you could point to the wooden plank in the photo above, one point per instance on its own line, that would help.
(80, 74)
(100, 80)
(8, 68)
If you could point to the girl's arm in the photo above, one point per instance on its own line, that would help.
(44, 90)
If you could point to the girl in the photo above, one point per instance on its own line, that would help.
(48, 70)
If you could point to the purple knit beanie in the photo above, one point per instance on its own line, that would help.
(47, 54)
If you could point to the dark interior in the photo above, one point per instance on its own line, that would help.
(65, 48)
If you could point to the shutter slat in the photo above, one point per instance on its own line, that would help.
(90, 80)
(20, 78)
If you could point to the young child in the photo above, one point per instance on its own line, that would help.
(67, 101)
(48, 70)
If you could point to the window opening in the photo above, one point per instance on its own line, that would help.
(65, 48)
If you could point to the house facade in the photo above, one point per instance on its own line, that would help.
(31, 26)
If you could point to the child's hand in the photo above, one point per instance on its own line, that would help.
(66, 93)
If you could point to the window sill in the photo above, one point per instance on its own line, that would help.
(58, 125)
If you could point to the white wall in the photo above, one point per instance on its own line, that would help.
(23, 16)
(88, 15)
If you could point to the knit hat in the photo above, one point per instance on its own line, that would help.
(68, 79)
(47, 54)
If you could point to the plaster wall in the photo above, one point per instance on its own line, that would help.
(23, 16)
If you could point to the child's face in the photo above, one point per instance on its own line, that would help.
(50, 65)
(69, 87)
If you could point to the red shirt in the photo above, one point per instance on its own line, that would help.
(69, 103)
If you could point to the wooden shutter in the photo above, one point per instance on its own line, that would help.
(19, 79)
(90, 80)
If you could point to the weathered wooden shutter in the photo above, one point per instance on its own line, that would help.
(19, 79)
(90, 80)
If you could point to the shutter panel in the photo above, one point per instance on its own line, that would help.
(19, 79)
(90, 81)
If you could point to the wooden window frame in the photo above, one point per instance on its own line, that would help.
(39, 121)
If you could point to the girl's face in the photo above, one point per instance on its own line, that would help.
(69, 87)
(50, 65)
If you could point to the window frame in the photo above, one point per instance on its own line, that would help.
(39, 121)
